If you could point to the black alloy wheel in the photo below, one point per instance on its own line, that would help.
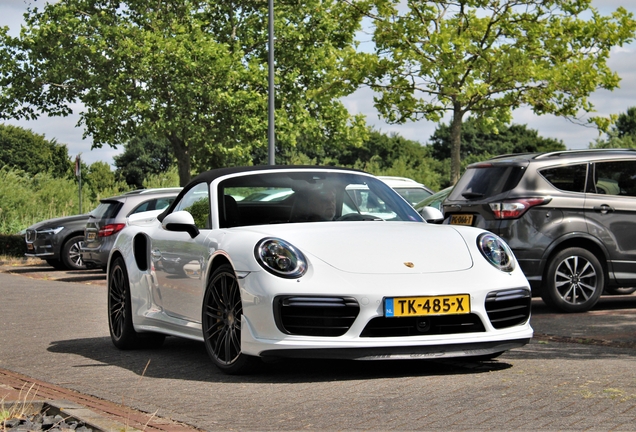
(574, 280)
(71, 256)
(120, 324)
(222, 311)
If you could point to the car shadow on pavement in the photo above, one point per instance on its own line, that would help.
(183, 359)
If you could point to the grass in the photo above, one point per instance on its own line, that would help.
(19, 409)
(17, 261)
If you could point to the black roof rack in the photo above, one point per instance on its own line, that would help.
(582, 151)
(509, 155)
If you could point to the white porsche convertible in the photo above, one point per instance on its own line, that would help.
(341, 267)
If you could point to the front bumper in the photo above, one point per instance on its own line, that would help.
(42, 250)
(472, 349)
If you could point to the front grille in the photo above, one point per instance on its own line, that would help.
(31, 235)
(508, 308)
(315, 316)
(419, 326)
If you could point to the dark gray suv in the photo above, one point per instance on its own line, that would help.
(105, 222)
(569, 217)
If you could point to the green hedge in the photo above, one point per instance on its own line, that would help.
(12, 245)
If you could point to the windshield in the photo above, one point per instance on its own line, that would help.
(309, 197)
(486, 181)
(106, 210)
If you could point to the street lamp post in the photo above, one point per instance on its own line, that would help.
(270, 113)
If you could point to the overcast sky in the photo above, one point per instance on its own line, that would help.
(622, 60)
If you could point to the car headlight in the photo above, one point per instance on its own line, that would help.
(280, 258)
(50, 230)
(496, 251)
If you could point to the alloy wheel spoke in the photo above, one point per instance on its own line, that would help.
(587, 271)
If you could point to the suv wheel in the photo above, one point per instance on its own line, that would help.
(574, 280)
(71, 256)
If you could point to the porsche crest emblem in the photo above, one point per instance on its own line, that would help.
(409, 264)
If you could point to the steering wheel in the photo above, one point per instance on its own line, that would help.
(359, 217)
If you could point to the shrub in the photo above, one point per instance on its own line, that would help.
(12, 245)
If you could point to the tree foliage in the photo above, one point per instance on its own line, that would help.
(193, 72)
(622, 134)
(488, 58)
(24, 150)
(143, 156)
(477, 142)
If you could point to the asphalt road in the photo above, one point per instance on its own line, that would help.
(578, 373)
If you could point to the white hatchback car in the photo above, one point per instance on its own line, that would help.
(410, 190)
(322, 273)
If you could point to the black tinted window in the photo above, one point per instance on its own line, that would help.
(568, 178)
(107, 210)
(486, 181)
(615, 178)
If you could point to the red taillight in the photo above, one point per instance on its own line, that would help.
(516, 208)
(110, 229)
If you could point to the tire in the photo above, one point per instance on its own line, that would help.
(71, 256)
(120, 324)
(574, 281)
(56, 264)
(620, 290)
(221, 318)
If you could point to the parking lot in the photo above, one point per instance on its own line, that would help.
(577, 373)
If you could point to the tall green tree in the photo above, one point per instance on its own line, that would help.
(478, 142)
(32, 153)
(489, 57)
(193, 72)
(622, 134)
(142, 157)
(379, 154)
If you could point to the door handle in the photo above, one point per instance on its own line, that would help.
(604, 208)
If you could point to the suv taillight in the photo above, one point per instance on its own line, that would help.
(513, 209)
(110, 229)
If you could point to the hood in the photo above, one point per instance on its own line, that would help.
(58, 222)
(380, 247)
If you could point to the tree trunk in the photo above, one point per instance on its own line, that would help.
(183, 159)
(455, 138)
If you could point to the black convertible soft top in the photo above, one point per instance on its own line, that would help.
(211, 175)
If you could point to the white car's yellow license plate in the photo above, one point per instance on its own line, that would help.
(461, 219)
(430, 305)
(91, 236)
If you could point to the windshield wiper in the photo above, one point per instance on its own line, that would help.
(471, 195)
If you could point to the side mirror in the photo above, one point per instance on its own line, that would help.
(432, 215)
(180, 221)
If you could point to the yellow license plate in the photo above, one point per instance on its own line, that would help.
(461, 219)
(430, 305)
(91, 236)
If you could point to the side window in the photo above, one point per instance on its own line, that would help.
(567, 178)
(143, 207)
(615, 178)
(197, 202)
(153, 204)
